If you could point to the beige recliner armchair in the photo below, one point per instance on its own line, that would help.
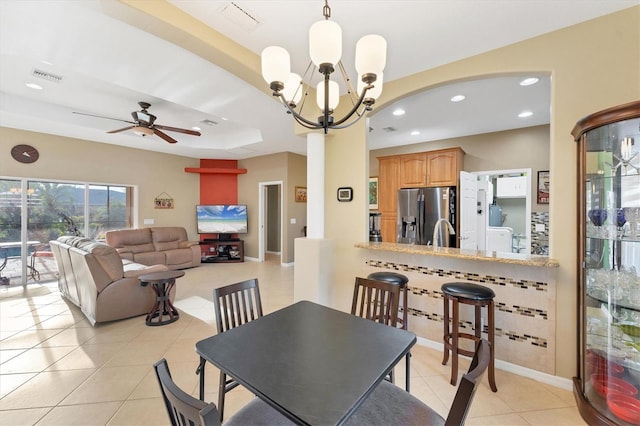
(105, 287)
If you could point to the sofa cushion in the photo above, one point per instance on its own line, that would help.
(167, 245)
(136, 269)
(168, 234)
(129, 238)
(150, 258)
(178, 256)
(106, 256)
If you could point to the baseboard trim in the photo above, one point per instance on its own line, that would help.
(550, 379)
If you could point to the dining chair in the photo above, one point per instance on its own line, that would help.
(185, 410)
(391, 405)
(234, 305)
(378, 301)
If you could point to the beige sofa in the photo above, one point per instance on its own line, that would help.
(93, 277)
(150, 246)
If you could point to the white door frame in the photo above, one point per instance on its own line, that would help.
(262, 213)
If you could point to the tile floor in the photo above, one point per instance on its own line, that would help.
(56, 369)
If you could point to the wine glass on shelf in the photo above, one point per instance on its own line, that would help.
(598, 217)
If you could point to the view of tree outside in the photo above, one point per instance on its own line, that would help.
(55, 209)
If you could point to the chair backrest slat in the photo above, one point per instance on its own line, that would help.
(237, 304)
(469, 384)
(182, 408)
(376, 300)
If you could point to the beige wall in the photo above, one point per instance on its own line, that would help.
(511, 149)
(289, 168)
(585, 79)
(76, 160)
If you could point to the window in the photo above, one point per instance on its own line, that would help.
(49, 209)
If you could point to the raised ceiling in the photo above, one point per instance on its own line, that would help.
(106, 66)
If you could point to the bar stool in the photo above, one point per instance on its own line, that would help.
(479, 297)
(400, 280)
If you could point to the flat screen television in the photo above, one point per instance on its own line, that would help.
(222, 219)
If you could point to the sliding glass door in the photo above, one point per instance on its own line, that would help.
(32, 213)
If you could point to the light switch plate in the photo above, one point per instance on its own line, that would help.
(293, 220)
(540, 227)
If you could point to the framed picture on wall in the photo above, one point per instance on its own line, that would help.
(543, 187)
(373, 193)
(301, 194)
(345, 193)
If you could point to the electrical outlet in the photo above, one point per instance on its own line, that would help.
(149, 221)
(540, 227)
(293, 220)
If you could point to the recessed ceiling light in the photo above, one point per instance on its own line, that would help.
(415, 133)
(46, 62)
(458, 98)
(398, 112)
(33, 86)
(529, 81)
(525, 114)
(224, 118)
(196, 128)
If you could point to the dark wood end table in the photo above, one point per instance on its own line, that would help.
(162, 283)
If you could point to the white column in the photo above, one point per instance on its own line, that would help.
(315, 185)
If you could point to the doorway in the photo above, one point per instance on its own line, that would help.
(270, 221)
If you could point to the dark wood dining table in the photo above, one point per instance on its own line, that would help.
(314, 364)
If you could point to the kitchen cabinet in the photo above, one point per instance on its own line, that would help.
(388, 184)
(609, 265)
(413, 170)
(421, 169)
(443, 167)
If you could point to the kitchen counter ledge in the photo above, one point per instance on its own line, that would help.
(488, 256)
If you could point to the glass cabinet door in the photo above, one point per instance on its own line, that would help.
(609, 297)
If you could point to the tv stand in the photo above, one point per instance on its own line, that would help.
(221, 250)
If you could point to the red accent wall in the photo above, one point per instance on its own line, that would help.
(218, 188)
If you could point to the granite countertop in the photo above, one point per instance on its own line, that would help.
(489, 256)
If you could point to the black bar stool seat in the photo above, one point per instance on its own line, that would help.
(398, 279)
(469, 294)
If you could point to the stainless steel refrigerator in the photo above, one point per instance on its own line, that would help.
(419, 209)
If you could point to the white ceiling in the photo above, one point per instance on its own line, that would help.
(107, 66)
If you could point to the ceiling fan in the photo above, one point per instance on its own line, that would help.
(143, 124)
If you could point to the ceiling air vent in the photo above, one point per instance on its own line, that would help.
(389, 129)
(209, 122)
(47, 76)
(239, 16)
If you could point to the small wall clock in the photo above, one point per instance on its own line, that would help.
(25, 154)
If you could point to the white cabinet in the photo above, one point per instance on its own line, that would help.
(511, 187)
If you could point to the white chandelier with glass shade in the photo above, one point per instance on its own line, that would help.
(325, 50)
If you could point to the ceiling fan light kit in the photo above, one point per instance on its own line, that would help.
(325, 50)
(143, 124)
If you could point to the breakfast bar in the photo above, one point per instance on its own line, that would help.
(525, 288)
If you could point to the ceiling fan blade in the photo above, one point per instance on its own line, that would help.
(122, 130)
(164, 136)
(102, 116)
(176, 129)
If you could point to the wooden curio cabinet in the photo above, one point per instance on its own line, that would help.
(608, 379)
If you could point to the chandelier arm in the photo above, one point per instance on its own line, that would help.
(360, 116)
(355, 107)
(298, 117)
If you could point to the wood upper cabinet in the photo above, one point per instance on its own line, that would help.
(388, 184)
(413, 170)
(443, 167)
